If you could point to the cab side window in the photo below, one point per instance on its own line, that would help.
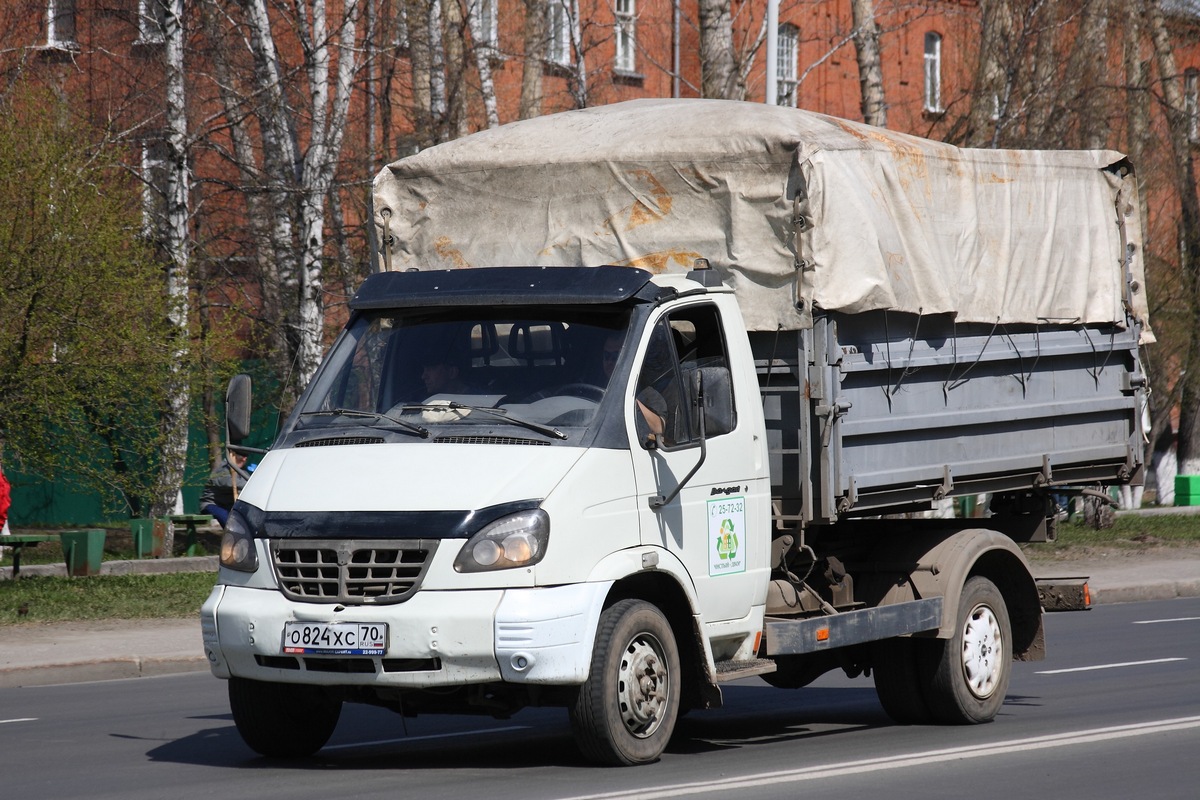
(687, 341)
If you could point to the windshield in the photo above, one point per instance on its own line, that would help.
(415, 371)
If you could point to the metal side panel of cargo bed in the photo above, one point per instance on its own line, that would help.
(886, 412)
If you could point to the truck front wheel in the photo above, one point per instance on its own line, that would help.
(625, 712)
(969, 679)
(283, 720)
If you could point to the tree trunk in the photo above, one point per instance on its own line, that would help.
(483, 63)
(438, 108)
(456, 68)
(991, 75)
(1188, 444)
(177, 246)
(579, 82)
(870, 66)
(718, 72)
(535, 55)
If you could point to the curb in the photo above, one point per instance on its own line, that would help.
(105, 670)
(1166, 590)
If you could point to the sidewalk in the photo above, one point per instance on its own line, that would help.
(36, 655)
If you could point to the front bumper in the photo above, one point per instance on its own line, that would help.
(523, 636)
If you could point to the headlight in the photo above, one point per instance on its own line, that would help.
(518, 540)
(237, 543)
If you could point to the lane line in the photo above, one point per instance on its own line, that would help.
(404, 739)
(19, 719)
(826, 771)
(1156, 621)
(1109, 666)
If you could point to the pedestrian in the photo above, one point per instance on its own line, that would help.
(224, 483)
(5, 499)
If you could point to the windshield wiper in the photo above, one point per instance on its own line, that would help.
(349, 412)
(495, 412)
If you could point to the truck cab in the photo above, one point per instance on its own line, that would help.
(488, 463)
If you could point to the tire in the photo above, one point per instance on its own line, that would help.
(283, 720)
(899, 667)
(969, 678)
(625, 712)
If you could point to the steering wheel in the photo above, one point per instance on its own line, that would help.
(587, 391)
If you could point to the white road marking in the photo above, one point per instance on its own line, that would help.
(19, 719)
(825, 771)
(404, 739)
(1156, 621)
(1109, 666)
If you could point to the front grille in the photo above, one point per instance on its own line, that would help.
(351, 572)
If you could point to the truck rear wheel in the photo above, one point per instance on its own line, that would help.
(283, 720)
(898, 669)
(625, 712)
(969, 679)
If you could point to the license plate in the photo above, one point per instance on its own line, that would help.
(335, 638)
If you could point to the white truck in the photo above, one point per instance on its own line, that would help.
(654, 396)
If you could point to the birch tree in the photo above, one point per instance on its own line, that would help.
(176, 245)
(482, 49)
(870, 66)
(718, 69)
(535, 54)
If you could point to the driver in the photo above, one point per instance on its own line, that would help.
(442, 376)
(649, 401)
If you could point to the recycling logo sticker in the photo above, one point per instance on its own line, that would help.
(727, 529)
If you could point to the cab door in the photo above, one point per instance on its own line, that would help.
(712, 523)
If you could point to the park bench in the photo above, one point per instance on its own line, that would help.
(190, 523)
(19, 540)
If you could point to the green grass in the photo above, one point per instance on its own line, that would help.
(1129, 532)
(53, 599)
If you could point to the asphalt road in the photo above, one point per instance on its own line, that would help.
(1114, 712)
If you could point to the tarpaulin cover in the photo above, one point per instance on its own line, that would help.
(798, 211)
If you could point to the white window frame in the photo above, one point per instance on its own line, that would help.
(625, 35)
(787, 55)
(56, 10)
(154, 172)
(558, 49)
(1191, 103)
(489, 23)
(933, 73)
(152, 21)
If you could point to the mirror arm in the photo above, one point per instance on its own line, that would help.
(656, 503)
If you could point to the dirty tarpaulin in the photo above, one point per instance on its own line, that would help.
(797, 210)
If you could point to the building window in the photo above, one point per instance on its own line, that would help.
(152, 21)
(60, 24)
(489, 28)
(785, 65)
(1191, 103)
(933, 73)
(559, 49)
(154, 188)
(626, 35)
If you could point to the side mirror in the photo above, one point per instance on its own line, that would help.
(715, 402)
(237, 410)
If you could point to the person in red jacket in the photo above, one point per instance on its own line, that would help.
(5, 501)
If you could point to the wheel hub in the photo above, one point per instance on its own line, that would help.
(983, 654)
(642, 686)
